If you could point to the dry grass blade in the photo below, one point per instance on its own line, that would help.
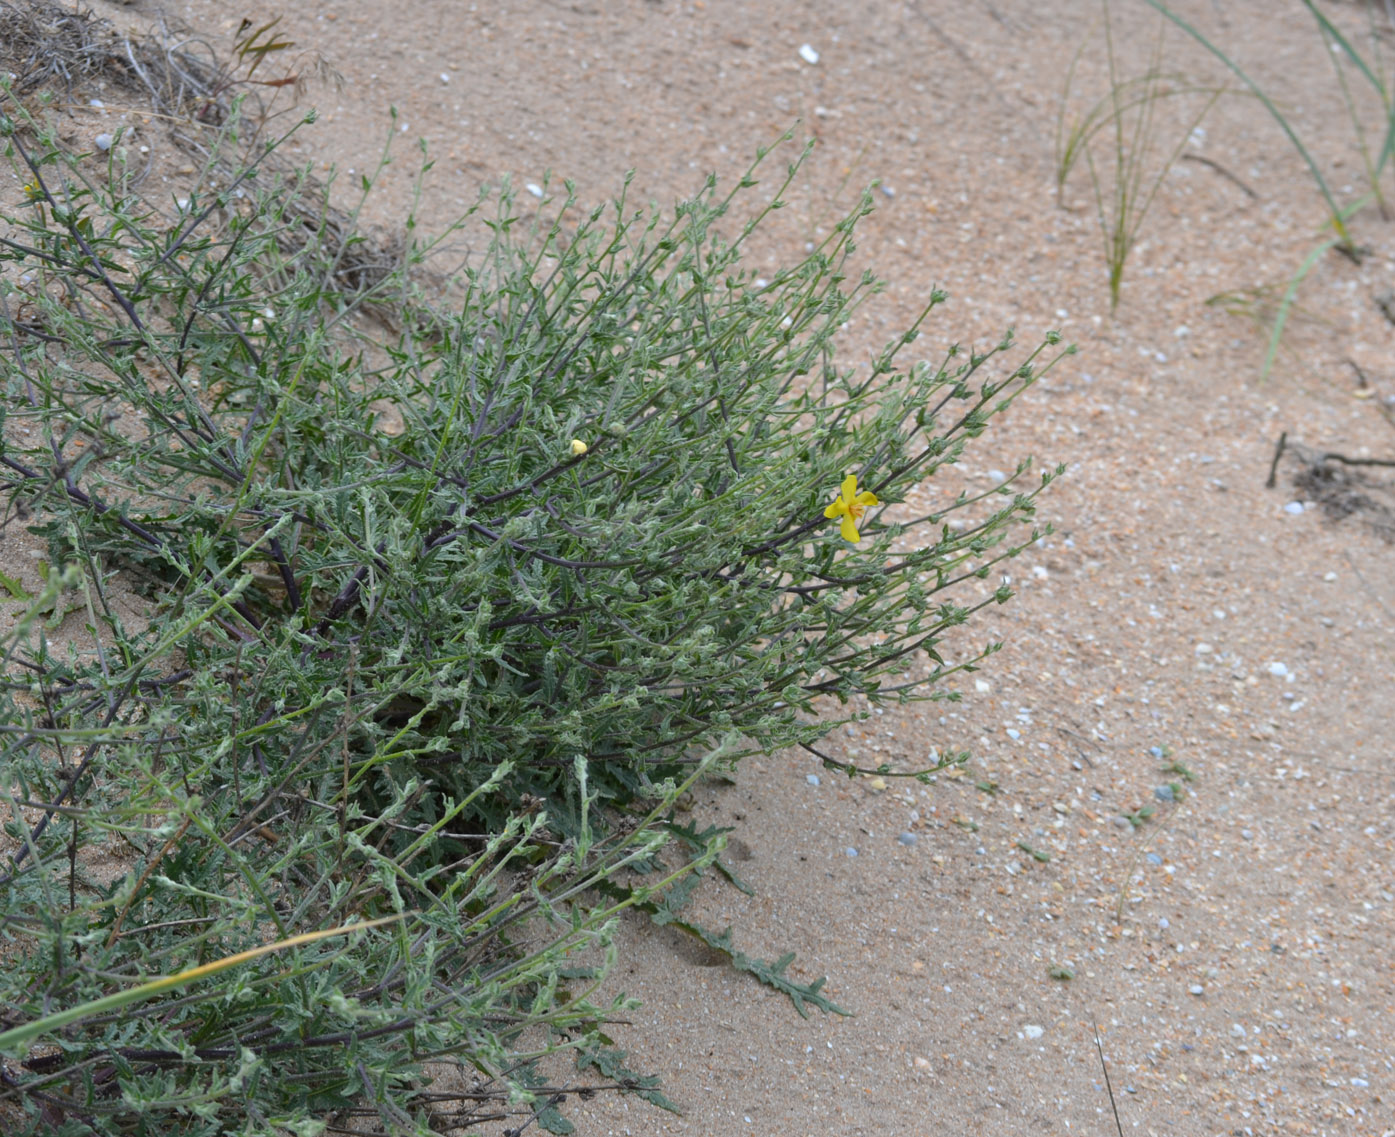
(1099, 1047)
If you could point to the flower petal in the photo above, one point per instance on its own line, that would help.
(837, 509)
(849, 530)
(867, 497)
(849, 489)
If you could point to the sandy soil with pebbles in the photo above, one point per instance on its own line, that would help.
(1236, 947)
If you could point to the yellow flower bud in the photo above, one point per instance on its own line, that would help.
(578, 448)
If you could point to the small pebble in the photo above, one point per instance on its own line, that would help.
(808, 54)
(103, 141)
(1154, 859)
(850, 851)
(1197, 989)
(1157, 751)
(1247, 834)
(812, 779)
(1031, 1030)
(1237, 1031)
(1164, 793)
(1278, 669)
(997, 477)
(1294, 507)
(908, 839)
(877, 784)
(534, 189)
(887, 191)
(1014, 734)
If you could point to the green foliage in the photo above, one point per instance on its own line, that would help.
(405, 650)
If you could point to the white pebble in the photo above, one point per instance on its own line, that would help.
(1294, 507)
(808, 54)
(444, 77)
(534, 189)
(1278, 669)
(997, 477)
(103, 141)
(1197, 989)
(1031, 1030)
(812, 779)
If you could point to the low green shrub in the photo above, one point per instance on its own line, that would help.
(439, 623)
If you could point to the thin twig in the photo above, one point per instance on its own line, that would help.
(1210, 164)
(1100, 1048)
(1274, 465)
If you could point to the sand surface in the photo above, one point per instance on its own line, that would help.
(1237, 948)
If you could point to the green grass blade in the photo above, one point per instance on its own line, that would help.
(1281, 317)
(15, 1041)
(1331, 30)
(1337, 222)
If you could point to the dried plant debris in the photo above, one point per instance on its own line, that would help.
(1348, 487)
(192, 81)
(45, 43)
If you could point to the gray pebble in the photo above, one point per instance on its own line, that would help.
(908, 838)
(1154, 859)
(103, 141)
(850, 851)
(812, 779)
(1165, 793)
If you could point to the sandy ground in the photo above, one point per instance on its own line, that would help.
(1236, 948)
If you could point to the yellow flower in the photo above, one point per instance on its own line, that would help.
(33, 191)
(578, 448)
(850, 505)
